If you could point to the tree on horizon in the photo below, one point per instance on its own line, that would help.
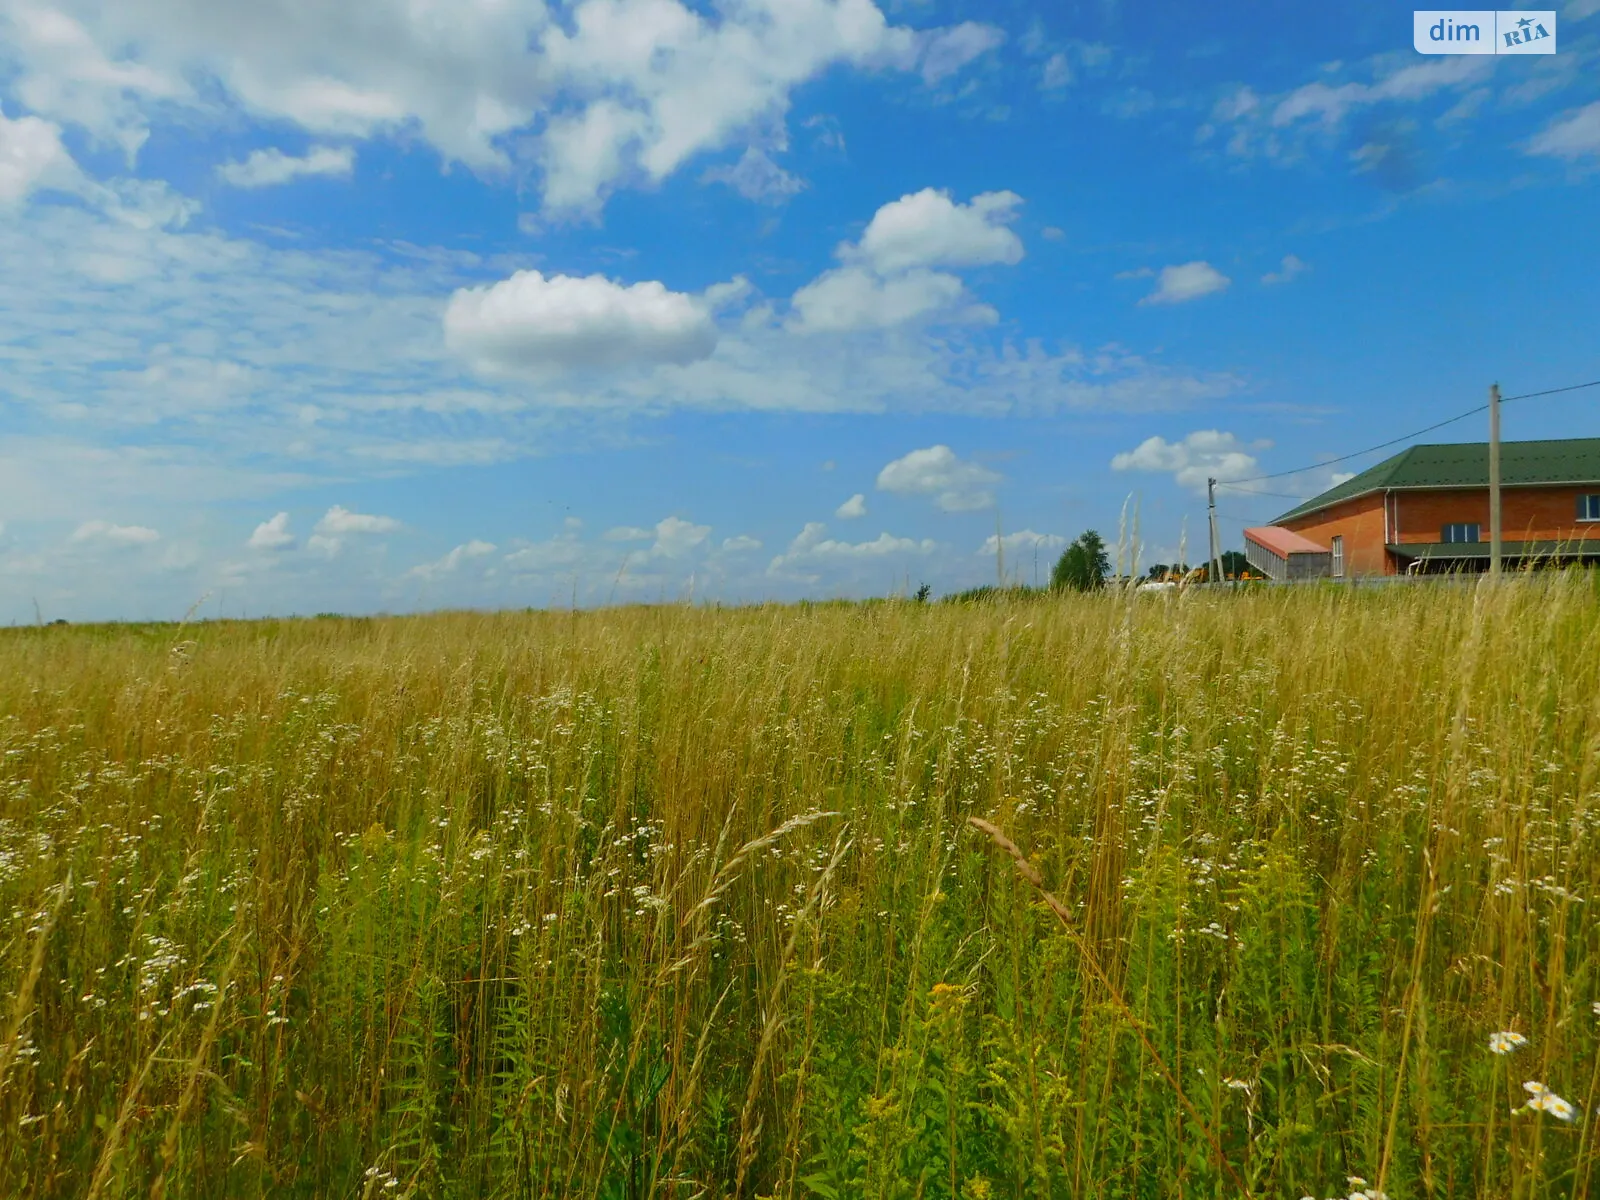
(1083, 566)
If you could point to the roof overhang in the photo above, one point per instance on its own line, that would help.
(1467, 551)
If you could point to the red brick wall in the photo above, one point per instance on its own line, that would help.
(1526, 514)
(1360, 523)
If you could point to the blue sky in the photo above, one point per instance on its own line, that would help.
(402, 304)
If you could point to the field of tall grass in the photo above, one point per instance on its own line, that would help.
(676, 902)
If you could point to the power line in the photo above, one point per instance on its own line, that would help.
(1328, 462)
(1237, 517)
(1407, 437)
(1258, 492)
(1552, 391)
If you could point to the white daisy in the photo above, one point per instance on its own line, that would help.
(1542, 1099)
(1505, 1042)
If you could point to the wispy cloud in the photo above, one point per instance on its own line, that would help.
(1291, 268)
(269, 168)
(1285, 127)
(1574, 134)
(1019, 542)
(113, 534)
(756, 177)
(453, 561)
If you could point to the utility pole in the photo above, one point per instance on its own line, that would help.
(1494, 480)
(1211, 516)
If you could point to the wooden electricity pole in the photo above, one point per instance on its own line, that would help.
(1494, 480)
(1211, 516)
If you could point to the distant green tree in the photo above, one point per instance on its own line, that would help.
(1083, 566)
(1234, 566)
(1167, 571)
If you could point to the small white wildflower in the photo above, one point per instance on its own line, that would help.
(1558, 1108)
(1542, 1099)
(1505, 1042)
(1237, 1085)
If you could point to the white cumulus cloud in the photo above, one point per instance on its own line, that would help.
(31, 158)
(741, 544)
(338, 521)
(530, 322)
(675, 537)
(811, 548)
(267, 168)
(1206, 453)
(272, 534)
(76, 72)
(889, 277)
(115, 535)
(1188, 281)
(592, 94)
(852, 508)
(929, 229)
(937, 471)
(851, 298)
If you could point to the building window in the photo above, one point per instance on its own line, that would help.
(1338, 556)
(1463, 532)
(1589, 507)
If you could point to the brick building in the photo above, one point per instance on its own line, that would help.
(1427, 509)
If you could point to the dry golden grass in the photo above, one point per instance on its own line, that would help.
(677, 902)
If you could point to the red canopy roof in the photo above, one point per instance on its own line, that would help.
(1283, 542)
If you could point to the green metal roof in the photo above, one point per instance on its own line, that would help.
(1466, 464)
(1463, 550)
